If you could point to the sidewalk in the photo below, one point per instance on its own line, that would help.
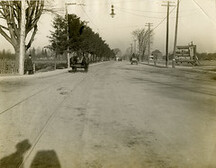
(203, 69)
(35, 75)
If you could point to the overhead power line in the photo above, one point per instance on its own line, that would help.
(138, 14)
(111, 2)
(139, 10)
(90, 19)
(204, 12)
(164, 18)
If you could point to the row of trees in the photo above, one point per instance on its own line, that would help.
(82, 39)
(36, 54)
(206, 56)
(7, 55)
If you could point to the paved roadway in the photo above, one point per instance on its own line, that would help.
(116, 115)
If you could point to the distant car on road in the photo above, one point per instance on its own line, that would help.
(134, 60)
(79, 62)
(118, 59)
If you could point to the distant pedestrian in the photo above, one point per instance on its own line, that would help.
(28, 66)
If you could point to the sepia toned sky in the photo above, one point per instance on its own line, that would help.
(197, 22)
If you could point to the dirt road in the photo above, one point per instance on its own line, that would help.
(116, 115)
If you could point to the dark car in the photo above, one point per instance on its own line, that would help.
(79, 62)
(134, 60)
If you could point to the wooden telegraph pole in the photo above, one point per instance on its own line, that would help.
(68, 54)
(176, 32)
(168, 5)
(66, 8)
(149, 39)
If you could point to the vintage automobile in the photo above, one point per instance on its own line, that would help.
(79, 62)
(134, 60)
(118, 59)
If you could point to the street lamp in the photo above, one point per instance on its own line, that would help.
(112, 11)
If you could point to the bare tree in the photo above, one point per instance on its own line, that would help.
(128, 53)
(10, 15)
(117, 51)
(142, 36)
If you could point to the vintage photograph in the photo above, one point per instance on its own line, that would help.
(107, 83)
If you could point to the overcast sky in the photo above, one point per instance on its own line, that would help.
(197, 22)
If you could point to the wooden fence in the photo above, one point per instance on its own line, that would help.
(8, 66)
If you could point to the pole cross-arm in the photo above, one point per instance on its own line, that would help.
(7, 13)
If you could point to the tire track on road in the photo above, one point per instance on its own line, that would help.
(175, 86)
(27, 98)
(51, 117)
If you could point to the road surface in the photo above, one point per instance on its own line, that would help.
(116, 115)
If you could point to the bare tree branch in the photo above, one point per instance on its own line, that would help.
(3, 27)
(10, 11)
(6, 36)
(32, 38)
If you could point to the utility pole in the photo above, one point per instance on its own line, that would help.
(67, 29)
(68, 55)
(131, 48)
(135, 47)
(167, 31)
(176, 32)
(22, 38)
(149, 39)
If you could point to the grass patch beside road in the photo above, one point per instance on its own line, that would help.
(208, 62)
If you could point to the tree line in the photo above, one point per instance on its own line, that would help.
(82, 39)
(206, 56)
(7, 55)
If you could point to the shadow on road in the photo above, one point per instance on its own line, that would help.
(43, 158)
(15, 159)
(79, 70)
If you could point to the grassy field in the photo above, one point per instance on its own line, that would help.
(208, 63)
